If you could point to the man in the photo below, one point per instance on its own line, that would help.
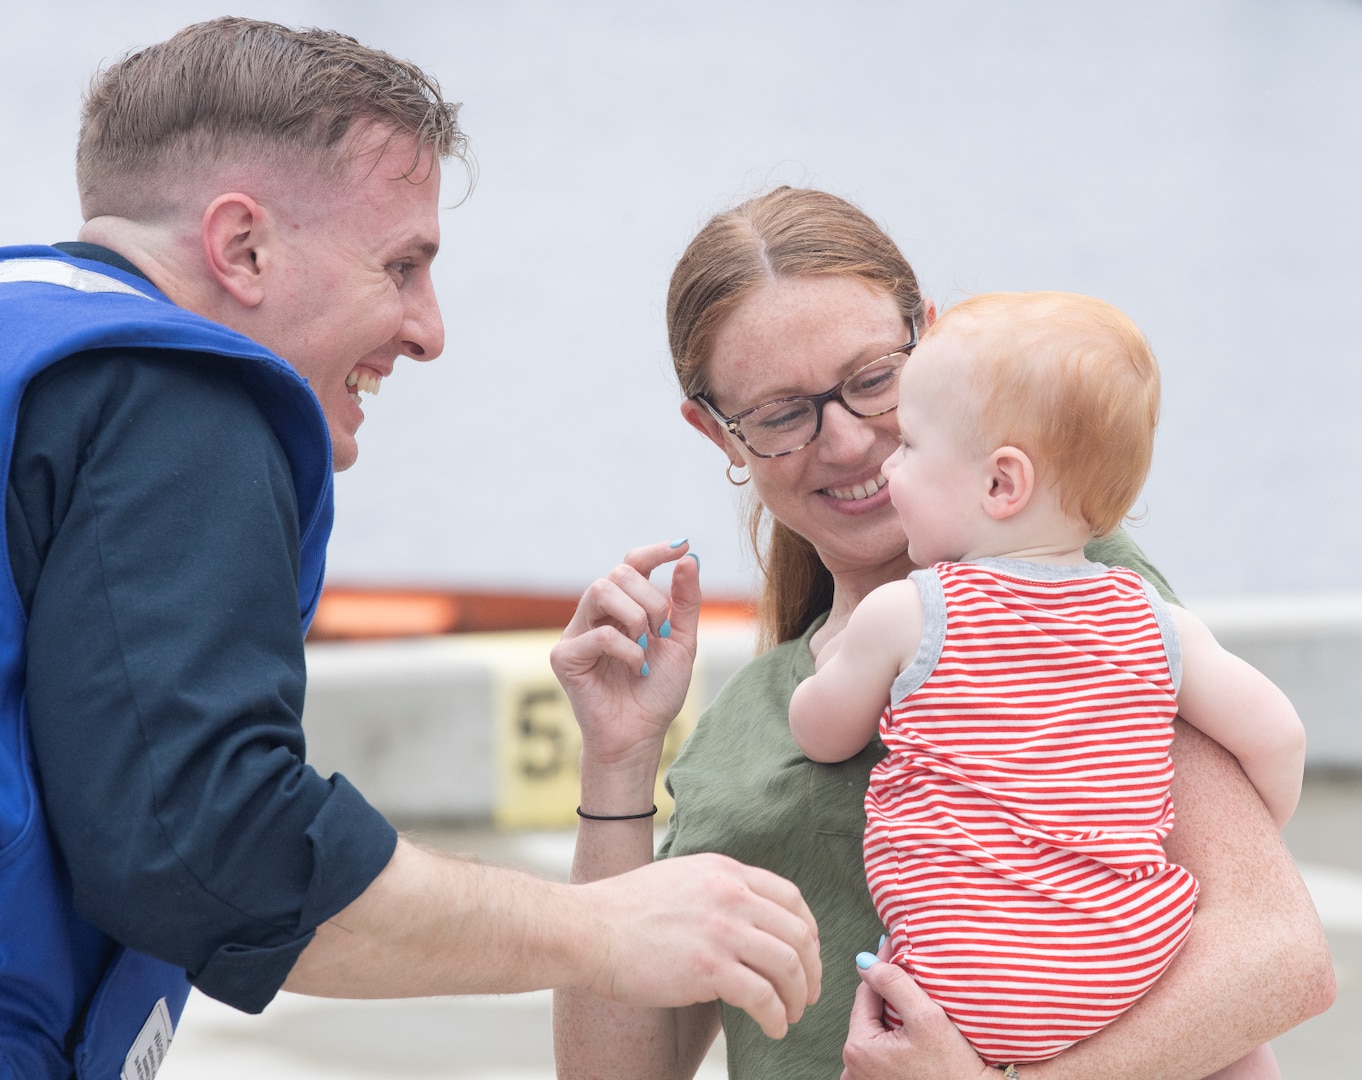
(261, 214)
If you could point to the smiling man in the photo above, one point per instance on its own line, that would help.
(261, 213)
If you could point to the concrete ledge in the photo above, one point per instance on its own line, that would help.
(471, 726)
(408, 722)
(1312, 648)
(474, 726)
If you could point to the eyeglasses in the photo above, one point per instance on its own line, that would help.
(780, 427)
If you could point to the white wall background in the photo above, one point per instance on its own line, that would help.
(1196, 162)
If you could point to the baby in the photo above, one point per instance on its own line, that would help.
(1025, 696)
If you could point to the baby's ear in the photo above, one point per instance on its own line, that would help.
(1011, 481)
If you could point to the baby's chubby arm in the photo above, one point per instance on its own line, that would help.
(1245, 712)
(836, 711)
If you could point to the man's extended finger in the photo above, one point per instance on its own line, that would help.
(747, 989)
(775, 951)
(791, 921)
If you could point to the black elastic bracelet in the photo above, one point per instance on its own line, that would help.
(615, 817)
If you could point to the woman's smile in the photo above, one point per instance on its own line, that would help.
(858, 492)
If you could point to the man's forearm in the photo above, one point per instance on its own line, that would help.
(671, 933)
(438, 924)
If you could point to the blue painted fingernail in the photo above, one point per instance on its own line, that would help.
(678, 543)
(665, 630)
(692, 555)
(643, 641)
(645, 668)
(881, 944)
(866, 959)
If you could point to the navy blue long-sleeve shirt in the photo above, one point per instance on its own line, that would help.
(153, 539)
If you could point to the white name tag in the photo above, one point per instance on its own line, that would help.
(151, 1045)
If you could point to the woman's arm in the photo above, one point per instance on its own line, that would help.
(1255, 964)
(624, 718)
(595, 1038)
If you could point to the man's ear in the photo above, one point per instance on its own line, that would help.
(698, 417)
(1011, 482)
(234, 229)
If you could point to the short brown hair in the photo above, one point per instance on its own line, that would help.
(1072, 381)
(242, 87)
(786, 233)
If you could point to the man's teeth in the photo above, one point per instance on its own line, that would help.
(858, 491)
(365, 381)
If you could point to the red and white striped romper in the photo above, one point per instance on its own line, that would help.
(1014, 831)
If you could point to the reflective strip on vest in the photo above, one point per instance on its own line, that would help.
(51, 272)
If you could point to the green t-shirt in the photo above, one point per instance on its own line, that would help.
(743, 788)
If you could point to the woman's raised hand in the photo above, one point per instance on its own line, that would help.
(625, 659)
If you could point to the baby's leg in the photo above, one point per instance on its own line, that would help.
(1260, 1064)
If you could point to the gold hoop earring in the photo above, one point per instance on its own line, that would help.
(736, 483)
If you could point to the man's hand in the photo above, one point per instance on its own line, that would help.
(702, 927)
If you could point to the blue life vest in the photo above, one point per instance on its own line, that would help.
(72, 1000)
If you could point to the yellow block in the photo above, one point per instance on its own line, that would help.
(537, 743)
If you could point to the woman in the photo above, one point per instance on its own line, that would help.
(787, 295)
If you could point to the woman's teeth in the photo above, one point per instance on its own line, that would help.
(365, 381)
(858, 491)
